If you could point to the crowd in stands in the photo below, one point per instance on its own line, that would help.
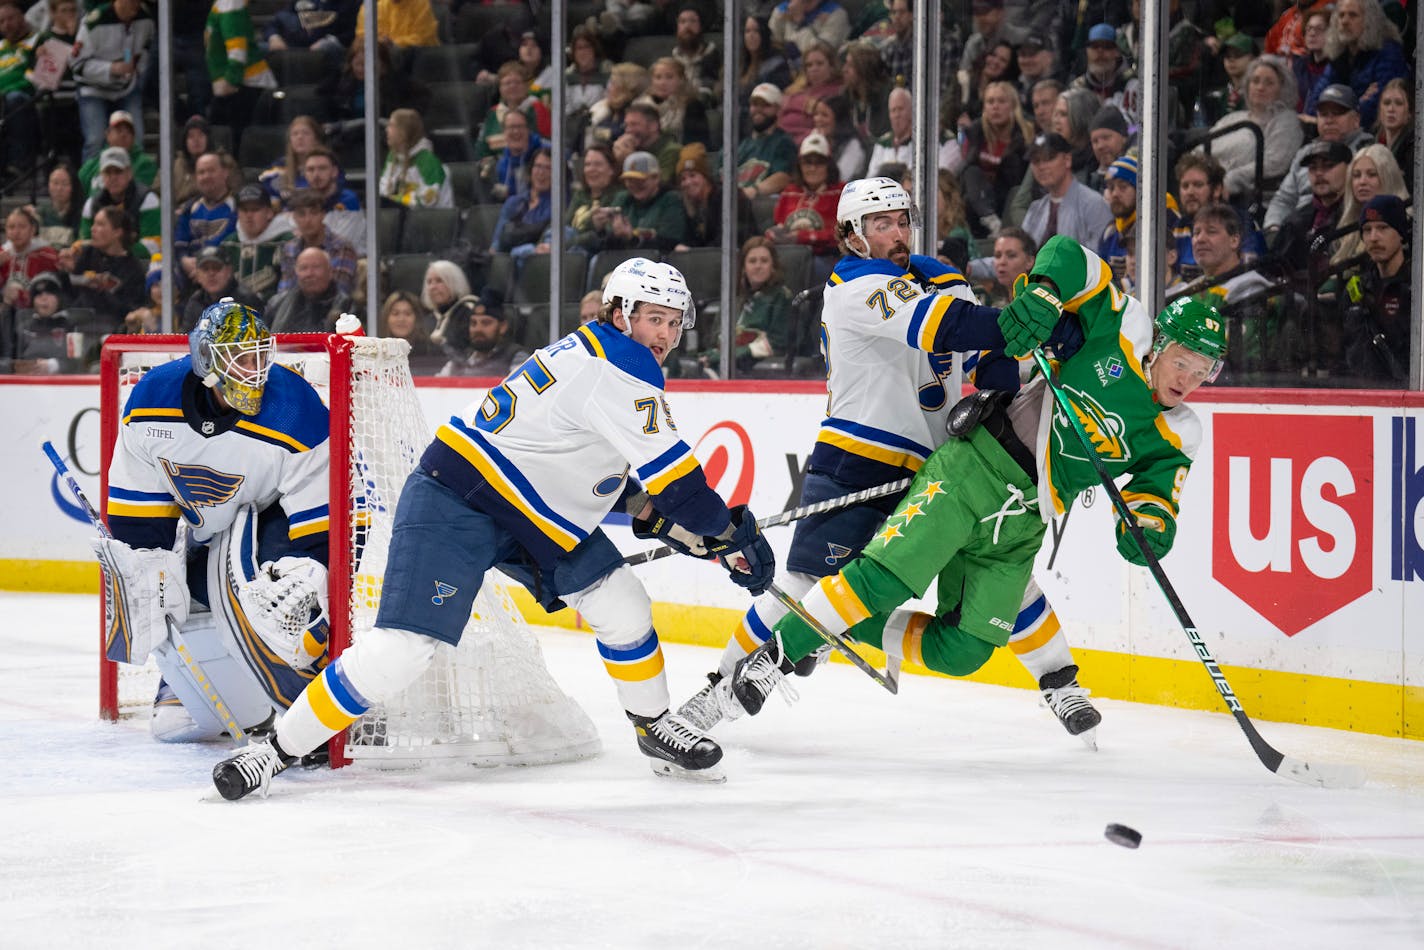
(1290, 162)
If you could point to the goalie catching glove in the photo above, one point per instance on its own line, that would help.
(1158, 527)
(286, 605)
(142, 588)
(1030, 317)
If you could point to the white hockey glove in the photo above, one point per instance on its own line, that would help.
(142, 587)
(286, 605)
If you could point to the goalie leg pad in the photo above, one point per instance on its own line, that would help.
(621, 615)
(230, 678)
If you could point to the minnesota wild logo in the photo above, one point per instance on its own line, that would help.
(1105, 430)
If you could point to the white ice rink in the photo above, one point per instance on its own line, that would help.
(953, 815)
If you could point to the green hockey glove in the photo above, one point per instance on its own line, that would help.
(1028, 320)
(1158, 527)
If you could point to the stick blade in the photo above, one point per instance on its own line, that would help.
(1321, 775)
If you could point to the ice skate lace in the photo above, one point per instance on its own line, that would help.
(257, 765)
(1066, 700)
(676, 733)
(1013, 505)
(765, 674)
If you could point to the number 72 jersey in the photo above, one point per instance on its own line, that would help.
(548, 451)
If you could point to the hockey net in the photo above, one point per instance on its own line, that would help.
(491, 701)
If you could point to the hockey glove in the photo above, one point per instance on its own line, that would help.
(1029, 318)
(743, 550)
(1158, 527)
(286, 605)
(662, 528)
(142, 587)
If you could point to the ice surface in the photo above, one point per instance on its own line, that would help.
(953, 815)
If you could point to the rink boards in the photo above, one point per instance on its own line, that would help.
(1299, 552)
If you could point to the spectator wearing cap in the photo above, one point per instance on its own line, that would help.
(1109, 139)
(326, 26)
(1365, 54)
(236, 66)
(315, 300)
(198, 141)
(1037, 62)
(255, 244)
(700, 58)
(701, 198)
(23, 256)
(1237, 53)
(992, 156)
(309, 222)
(1270, 106)
(120, 134)
(1378, 315)
(807, 22)
(764, 60)
(642, 132)
(111, 50)
(1120, 192)
(819, 80)
(207, 219)
(492, 353)
(806, 211)
(1068, 206)
(1327, 164)
(1337, 119)
(215, 278)
(33, 339)
(1108, 75)
(119, 190)
(896, 145)
(17, 60)
(536, 66)
(765, 155)
(647, 215)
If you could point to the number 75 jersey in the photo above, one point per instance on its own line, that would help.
(548, 451)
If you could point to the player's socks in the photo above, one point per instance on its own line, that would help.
(676, 748)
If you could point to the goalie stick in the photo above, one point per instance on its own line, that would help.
(1324, 775)
(790, 515)
(180, 645)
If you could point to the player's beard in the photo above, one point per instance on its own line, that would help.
(900, 255)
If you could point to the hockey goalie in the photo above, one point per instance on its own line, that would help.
(218, 503)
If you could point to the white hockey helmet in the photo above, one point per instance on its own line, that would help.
(639, 280)
(870, 196)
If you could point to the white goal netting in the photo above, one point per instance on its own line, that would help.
(491, 701)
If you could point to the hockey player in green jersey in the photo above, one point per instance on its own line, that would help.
(975, 515)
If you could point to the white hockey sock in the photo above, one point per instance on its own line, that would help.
(757, 623)
(1038, 640)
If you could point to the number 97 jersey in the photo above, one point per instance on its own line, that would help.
(547, 453)
(885, 336)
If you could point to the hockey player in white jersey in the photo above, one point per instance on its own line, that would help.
(522, 480)
(892, 325)
(218, 507)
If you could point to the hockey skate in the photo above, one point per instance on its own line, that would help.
(711, 704)
(758, 673)
(678, 750)
(1069, 703)
(251, 770)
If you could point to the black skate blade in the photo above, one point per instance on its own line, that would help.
(713, 775)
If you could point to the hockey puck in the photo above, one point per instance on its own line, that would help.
(1123, 835)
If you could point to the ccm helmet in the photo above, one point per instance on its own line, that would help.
(869, 196)
(1195, 325)
(232, 353)
(639, 280)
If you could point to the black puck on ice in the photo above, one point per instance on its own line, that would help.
(1123, 835)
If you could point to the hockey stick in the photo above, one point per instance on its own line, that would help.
(1324, 775)
(180, 645)
(838, 643)
(790, 515)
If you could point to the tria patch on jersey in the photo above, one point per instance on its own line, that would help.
(197, 486)
(1109, 370)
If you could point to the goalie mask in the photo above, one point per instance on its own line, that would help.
(640, 280)
(872, 196)
(232, 353)
(1195, 326)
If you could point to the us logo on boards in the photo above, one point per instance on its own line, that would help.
(1293, 513)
